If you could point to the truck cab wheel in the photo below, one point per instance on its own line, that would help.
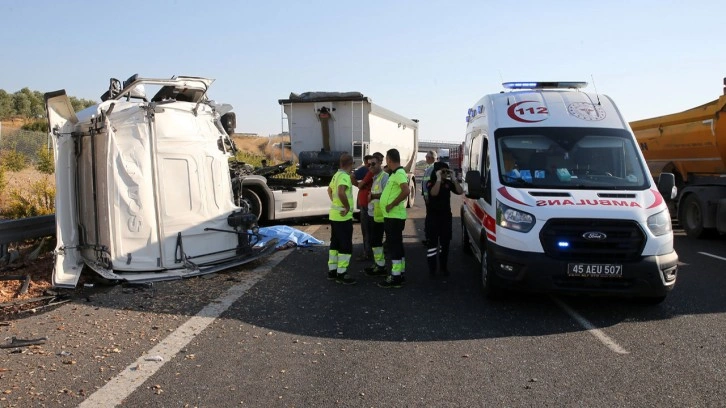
(254, 201)
(489, 285)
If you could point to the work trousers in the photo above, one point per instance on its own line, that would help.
(341, 245)
(438, 236)
(365, 222)
(394, 239)
(375, 231)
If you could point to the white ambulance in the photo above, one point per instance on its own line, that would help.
(559, 199)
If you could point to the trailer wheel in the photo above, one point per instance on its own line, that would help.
(489, 285)
(411, 194)
(254, 201)
(691, 217)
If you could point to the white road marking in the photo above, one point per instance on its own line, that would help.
(126, 382)
(713, 256)
(599, 334)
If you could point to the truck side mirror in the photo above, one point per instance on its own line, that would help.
(473, 184)
(667, 186)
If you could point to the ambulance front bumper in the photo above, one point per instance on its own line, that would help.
(646, 276)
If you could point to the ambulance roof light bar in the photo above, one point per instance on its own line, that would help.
(543, 85)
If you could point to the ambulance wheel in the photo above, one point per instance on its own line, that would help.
(465, 243)
(254, 202)
(489, 285)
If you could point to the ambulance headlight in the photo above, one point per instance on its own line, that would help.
(514, 219)
(660, 224)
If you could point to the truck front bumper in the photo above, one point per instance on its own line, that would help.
(648, 276)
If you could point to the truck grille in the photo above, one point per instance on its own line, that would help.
(625, 240)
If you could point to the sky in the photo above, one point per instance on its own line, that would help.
(429, 60)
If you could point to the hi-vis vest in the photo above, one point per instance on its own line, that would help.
(377, 188)
(391, 191)
(341, 178)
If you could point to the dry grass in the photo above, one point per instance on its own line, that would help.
(264, 147)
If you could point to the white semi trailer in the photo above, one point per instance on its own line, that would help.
(323, 126)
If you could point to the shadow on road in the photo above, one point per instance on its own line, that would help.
(297, 298)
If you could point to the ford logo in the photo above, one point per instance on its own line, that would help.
(595, 236)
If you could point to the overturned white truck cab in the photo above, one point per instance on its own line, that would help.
(143, 185)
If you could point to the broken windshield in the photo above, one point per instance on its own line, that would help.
(569, 158)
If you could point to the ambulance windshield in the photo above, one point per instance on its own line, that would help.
(569, 158)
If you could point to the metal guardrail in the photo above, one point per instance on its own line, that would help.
(25, 228)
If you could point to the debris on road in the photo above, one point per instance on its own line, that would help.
(15, 342)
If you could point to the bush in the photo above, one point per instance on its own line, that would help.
(256, 161)
(14, 161)
(36, 126)
(39, 201)
(44, 163)
(3, 182)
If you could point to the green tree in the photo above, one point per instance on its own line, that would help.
(40, 125)
(22, 104)
(80, 104)
(6, 104)
(37, 107)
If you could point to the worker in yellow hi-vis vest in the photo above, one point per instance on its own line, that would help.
(375, 219)
(393, 203)
(340, 191)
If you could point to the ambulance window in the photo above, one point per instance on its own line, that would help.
(475, 156)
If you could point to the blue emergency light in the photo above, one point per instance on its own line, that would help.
(542, 85)
(563, 244)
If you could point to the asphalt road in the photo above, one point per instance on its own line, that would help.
(287, 336)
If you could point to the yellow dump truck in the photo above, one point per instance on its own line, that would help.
(691, 145)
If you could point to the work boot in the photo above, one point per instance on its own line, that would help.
(332, 274)
(392, 282)
(376, 271)
(345, 279)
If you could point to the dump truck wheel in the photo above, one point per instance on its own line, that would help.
(691, 217)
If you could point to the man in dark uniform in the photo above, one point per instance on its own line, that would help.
(438, 216)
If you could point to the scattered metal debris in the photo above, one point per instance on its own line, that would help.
(24, 278)
(15, 342)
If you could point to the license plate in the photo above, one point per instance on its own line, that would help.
(595, 270)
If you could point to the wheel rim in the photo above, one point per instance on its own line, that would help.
(693, 216)
(254, 203)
